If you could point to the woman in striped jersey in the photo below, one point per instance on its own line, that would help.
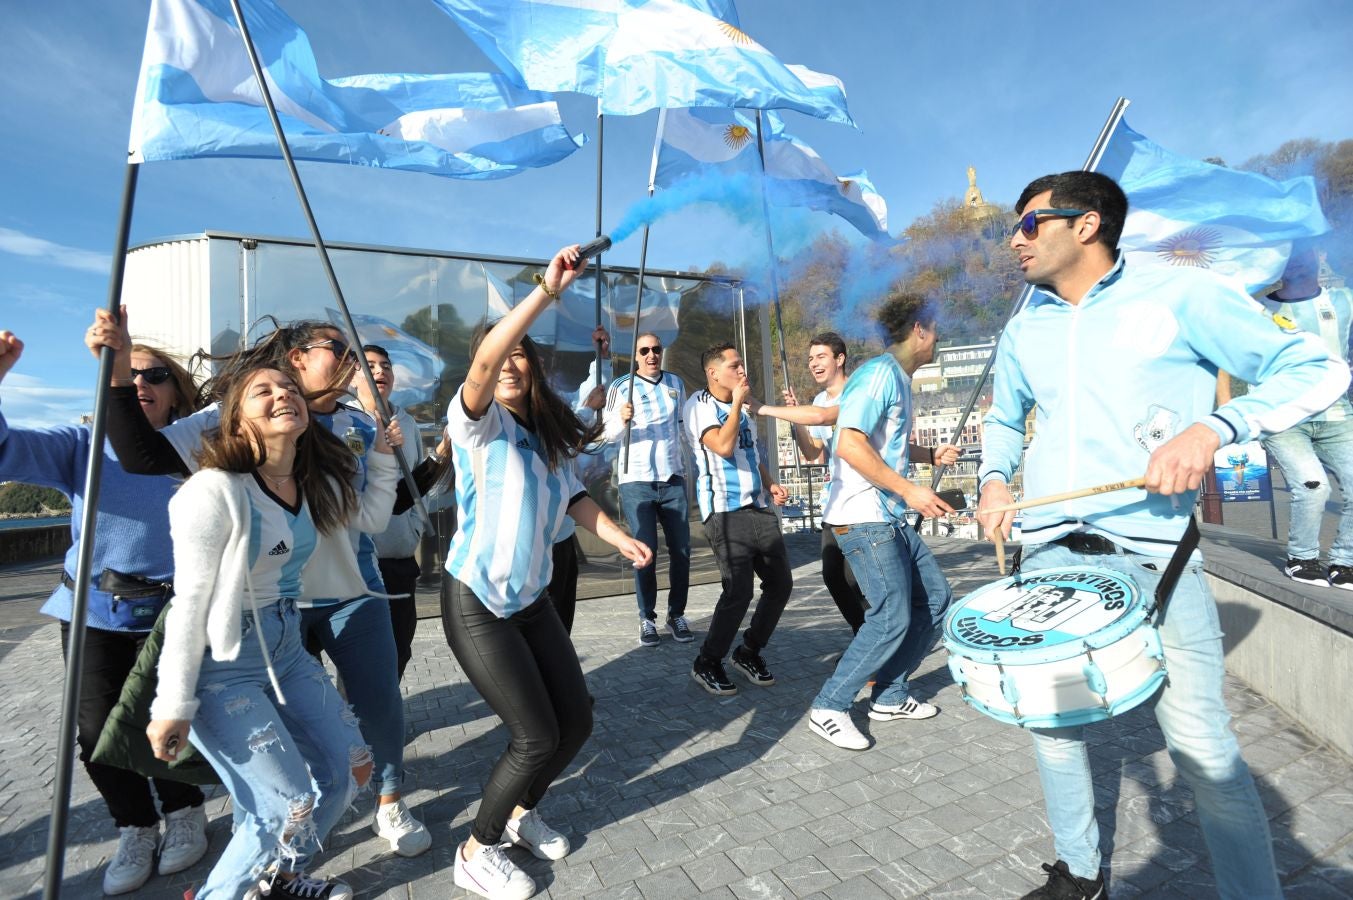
(514, 441)
(274, 490)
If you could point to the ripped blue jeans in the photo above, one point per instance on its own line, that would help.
(288, 767)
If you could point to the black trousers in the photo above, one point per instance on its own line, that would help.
(747, 544)
(564, 580)
(400, 575)
(108, 658)
(525, 669)
(841, 582)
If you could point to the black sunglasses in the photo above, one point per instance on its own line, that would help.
(153, 375)
(645, 351)
(341, 351)
(1028, 223)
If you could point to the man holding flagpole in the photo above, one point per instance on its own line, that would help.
(1103, 347)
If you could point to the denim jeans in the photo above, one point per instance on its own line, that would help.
(288, 767)
(907, 595)
(1194, 719)
(747, 543)
(646, 503)
(1308, 454)
(358, 637)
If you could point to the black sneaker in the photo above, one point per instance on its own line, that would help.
(752, 666)
(1341, 577)
(1307, 571)
(648, 633)
(712, 677)
(304, 886)
(1062, 885)
(681, 632)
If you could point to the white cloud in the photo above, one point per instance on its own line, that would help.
(29, 402)
(21, 244)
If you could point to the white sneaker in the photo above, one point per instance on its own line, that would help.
(134, 860)
(531, 832)
(185, 839)
(908, 709)
(407, 835)
(489, 873)
(838, 728)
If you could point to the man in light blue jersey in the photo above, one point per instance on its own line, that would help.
(1120, 363)
(1323, 445)
(745, 533)
(866, 510)
(653, 485)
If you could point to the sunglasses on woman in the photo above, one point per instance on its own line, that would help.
(1028, 223)
(341, 351)
(152, 375)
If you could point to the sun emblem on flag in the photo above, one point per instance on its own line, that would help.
(844, 184)
(736, 136)
(1196, 247)
(736, 35)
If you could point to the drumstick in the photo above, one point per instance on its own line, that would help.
(1000, 549)
(1068, 495)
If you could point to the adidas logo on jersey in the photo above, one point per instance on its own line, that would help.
(280, 550)
(523, 443)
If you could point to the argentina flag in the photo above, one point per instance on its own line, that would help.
(418, 366)
(1185, 212)
(196, 97)
(637, 55)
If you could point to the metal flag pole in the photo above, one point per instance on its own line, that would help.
(382, 406)
(775, 284)
(596, 273)
(639, 300)
(1091, 164)
(75, 644)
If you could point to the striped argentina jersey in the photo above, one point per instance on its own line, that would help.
(281, 540)
(723, 485)
(877, 402)
(511, 508)
(656, 438)
(348, 423)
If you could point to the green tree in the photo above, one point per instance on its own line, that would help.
(17, 498)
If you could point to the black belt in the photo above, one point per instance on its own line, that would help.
(1089, 544)
(125, 587)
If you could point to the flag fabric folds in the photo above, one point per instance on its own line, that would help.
(418, 366)
(722, 144)
(1185, 212)
(196, 97)
(637, 55)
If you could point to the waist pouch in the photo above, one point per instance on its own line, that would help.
(132, 602)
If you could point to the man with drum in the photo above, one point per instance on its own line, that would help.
(866, 508)
(1103, 349)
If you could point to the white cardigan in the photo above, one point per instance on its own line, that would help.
(209, 522)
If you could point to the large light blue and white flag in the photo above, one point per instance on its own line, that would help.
(196, 97)
(418, 366)
(1185, 212)
(637, 55)
(718, 143)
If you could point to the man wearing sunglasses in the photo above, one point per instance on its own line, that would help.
(653, 488)
(1120, 362)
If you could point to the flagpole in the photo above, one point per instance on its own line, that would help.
(75, 644)
(1092, 162)
(775, 288)
(382, 406)
(596, 274)
(639, 300)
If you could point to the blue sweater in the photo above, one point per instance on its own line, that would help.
(132, 525)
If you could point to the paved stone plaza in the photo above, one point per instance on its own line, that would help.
(681, 794)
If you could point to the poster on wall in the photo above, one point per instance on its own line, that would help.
(1242, 473)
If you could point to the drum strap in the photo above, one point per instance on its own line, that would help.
(1175, 567)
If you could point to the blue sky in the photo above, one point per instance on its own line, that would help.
(1015, 89)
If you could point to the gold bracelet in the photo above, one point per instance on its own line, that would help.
(540, 280)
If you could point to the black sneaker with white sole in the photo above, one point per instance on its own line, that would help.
(711, 676)
(648, 633)
(681, 631)
(1307, 571)
(752, 667)
(1341, 577)
(1062, 885)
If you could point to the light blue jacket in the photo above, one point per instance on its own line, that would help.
(1117, 375)
(1327, 315)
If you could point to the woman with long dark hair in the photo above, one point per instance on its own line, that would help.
(268, 510)
(132, 578)
(513, 440)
